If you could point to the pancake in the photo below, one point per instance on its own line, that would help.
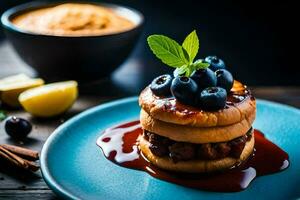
(240, 105)
(195, 166)
(183, 133)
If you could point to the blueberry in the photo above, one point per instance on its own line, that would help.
(213, 98)
(17, 128)
(224, 79)
(160, 86)
(204, 78)
(215, 63)
(184, 89)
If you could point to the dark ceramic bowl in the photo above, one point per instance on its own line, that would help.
(64, 57)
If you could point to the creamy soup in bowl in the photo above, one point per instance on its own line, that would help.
(73, 19)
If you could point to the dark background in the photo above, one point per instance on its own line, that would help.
(258, 40)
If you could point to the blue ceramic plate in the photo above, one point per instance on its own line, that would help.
(74, 167)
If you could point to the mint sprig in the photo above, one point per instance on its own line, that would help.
(175, 55)
(168, 50)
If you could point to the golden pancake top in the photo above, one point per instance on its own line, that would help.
(240, 105)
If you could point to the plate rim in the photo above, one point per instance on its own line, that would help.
(61, 191)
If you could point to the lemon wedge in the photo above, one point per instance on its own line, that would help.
(13, 78)
(50, 99)
(11, 87)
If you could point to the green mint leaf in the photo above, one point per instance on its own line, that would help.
(2, 115)
(168, 50)
(199, 64)
(191, 45)
(180, 70)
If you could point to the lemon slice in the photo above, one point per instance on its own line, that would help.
(50, 99)
(11, 87)
(21, 84)
(13, 79)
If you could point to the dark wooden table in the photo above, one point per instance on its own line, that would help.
(127, 81)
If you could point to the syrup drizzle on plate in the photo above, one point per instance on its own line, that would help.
(119, 145)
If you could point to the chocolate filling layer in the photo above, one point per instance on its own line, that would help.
(183, 151)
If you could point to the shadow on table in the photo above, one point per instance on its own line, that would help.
(20, 175)
(29, 141)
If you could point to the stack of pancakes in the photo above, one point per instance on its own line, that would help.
(181, 138)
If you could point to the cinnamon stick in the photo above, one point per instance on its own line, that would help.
(8, 158)
(27, 153)
(18, 161)
(13, 158)
(32, 166)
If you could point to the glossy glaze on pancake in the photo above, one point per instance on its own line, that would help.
(240, 105)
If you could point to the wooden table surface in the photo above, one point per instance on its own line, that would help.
(15, 184)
